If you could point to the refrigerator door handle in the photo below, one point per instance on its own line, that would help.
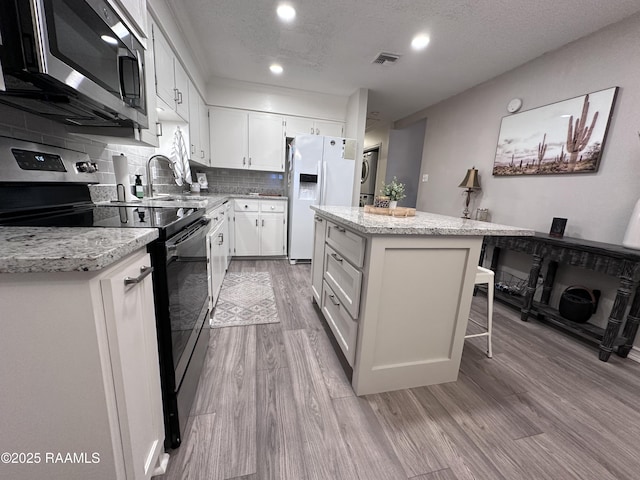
(323, 198)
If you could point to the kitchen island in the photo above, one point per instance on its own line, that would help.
(396, 292)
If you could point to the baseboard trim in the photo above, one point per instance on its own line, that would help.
(634, 354)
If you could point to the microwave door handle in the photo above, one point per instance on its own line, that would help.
(141, 80)
(323, 198)
(3, 87)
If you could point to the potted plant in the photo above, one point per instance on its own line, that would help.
(395, 191)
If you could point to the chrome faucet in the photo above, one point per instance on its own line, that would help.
(150, 177)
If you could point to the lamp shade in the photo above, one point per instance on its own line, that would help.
(471, 179)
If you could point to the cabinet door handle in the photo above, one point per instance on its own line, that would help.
(334, 301)
(201, 153)
(263, 222)
(317, 131)
(144, 272)
(319, 220)
(256, 222)
(341, 229)
(336, 257)
(179, 97)
(158, 129)
(221, 236)
(311, 130)
(249, 161)
(175, 95)
(244, 161)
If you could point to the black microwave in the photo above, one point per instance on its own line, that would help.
(74, 61)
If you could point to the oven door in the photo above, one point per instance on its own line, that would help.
(188, 291)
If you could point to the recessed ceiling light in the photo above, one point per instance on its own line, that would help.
(286, 12)
(419, 42)
(109, 39)
(277, 69)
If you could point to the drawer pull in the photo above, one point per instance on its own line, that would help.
(336, 257)
(144, 272)
(341, 229)
(334, 301)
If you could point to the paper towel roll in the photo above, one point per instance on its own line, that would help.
(121, 169)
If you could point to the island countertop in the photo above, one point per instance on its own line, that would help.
(422, 224)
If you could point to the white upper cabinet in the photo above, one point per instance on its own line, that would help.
(182, 89)
(246, 140)
(329, 129)
(229, 137)
(194, 124)
(198, 127)
(299, 126)
(172, 82)
(310, 126)
(135, 12)
(205, 149)
(266, 142)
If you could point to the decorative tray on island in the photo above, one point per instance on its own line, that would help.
(391, 212)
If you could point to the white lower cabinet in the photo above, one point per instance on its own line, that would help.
(230, 233)
(260, 227)
(82, 361)
(216, 261)
(216, 252)
(336, 280)
(317, 262)
(344, 328)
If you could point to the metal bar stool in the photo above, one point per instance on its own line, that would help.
(484, 275)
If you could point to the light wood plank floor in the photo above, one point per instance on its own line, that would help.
(274, 403)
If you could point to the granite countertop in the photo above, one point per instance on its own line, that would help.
(422, 224)
(195, 200)
(67, 249)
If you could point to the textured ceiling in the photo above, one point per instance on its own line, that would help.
(330, 45)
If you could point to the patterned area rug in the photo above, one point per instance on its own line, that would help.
(245, 299)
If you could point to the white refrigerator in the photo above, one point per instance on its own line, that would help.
(321, 172)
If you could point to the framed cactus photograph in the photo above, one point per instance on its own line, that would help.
(565, 137)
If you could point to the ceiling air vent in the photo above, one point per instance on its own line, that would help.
(386, 58)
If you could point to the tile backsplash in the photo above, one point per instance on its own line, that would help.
(228, 180)
(25, 126)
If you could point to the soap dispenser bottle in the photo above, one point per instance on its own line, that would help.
(139, 187)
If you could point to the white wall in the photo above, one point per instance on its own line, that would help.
(405, 155)
(462, 132)
(223, 92)
(355, 125)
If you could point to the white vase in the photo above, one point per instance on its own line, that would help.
(393, 204)
(632, 235)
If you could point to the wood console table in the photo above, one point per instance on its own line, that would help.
(613, 260)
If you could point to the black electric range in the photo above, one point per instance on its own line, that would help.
(48, 186)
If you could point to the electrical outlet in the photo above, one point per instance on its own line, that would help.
(425, 177)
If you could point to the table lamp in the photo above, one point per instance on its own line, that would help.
(471, 182)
